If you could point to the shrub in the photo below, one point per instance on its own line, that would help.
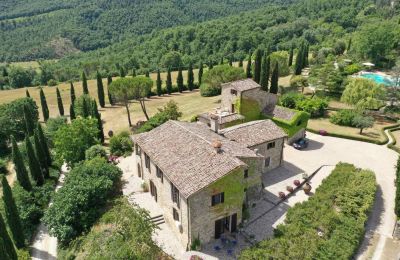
(208, 90)
(53, 124)
(77, 205)
(169, 112)
(3, 167)
(52, 83)
(123, 232)
(329, 225)
(344, 117)
(290, 99)
(352, 69)
(314, 106)
(121, 144)
(95, 151)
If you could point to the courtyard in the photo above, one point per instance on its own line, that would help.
(265, 214)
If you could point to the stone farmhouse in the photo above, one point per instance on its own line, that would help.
(201, 176)
(244, 101)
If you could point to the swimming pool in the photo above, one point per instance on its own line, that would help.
(378, 78)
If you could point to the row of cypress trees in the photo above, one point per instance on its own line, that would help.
(39, 160)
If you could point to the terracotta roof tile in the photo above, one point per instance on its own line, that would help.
(254, 133)
(242, 85)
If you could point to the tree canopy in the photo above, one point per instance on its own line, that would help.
(364, 94)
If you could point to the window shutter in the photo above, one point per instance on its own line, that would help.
(212, 200)
(222, 197)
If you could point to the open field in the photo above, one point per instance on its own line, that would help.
(374, 133)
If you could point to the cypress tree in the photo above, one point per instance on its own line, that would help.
(60, 102)
(222, 61)
(230, 61)
(299, 61)
(29, 123)
(85, 84)
(274, 79)
(241, 63)
(159, 83)
(40, 155)
(72, 115)
(97, 115)
(22, 174)
(264, 74)
(257, 66)
(210, 65)
(122, 72)
(100, 90)
(5, 73)
(8, 244)
(169, 82)
(291, 56)
(305, 52)
(72, 93)
(190, 79)
(200, 73)
(34, 166)
(45, 146)
(110, 98)
(12, 216)
(147, 74)
(248, 68)
(133, 72)
(43, 103)
(179, 80)
(86, 110)
(28, 95)
(349, 45)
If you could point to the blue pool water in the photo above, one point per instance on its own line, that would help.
(380, 79)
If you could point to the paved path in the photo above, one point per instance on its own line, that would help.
(44, 246)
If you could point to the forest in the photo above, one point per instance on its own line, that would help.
(46, 29)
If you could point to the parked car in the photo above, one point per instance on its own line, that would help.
(301, 144)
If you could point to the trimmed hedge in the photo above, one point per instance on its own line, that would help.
(298, 122)
(393, 145)
(330, 225)
(355, 138)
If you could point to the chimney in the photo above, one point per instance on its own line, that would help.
(214, 123)
(217, 146)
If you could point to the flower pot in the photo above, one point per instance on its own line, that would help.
(289, 189)
(307, 188)
(296, 182)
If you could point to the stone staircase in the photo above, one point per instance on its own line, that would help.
(158, 220)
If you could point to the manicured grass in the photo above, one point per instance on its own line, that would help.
(372, 134)
(396, 135)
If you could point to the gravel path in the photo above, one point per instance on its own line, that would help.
(44, 246)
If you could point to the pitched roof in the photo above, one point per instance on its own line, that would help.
(283, 113)
(254, 133)
(242, 85)
(223, 118)
(184, 152)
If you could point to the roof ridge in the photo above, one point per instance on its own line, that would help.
(197, 135)
(229, 129)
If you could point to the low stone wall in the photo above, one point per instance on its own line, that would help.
(396, 233)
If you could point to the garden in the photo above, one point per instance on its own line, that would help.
(330, 225)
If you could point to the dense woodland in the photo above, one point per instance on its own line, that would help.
(50, 29)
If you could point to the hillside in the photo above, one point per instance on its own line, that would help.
(322, 23)
(46, 29)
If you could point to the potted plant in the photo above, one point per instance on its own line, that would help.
(296, 183)
(282, 195)
(289, 189)
(307, 188)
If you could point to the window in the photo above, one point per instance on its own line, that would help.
(246, 174)
(175, 214)
(270, 145)
(175, 195)
(160, 174)
(233, 92)
(137, 149)
(147, 161)
(217, 199)
(267, 161)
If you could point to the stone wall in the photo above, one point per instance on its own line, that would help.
(300, 134)
(227, 99)
(203, 215)
(164, 199)
(266, 101)
(276, 154)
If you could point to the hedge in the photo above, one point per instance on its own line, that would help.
(362, 139)
(393, 145)
(330, 225)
